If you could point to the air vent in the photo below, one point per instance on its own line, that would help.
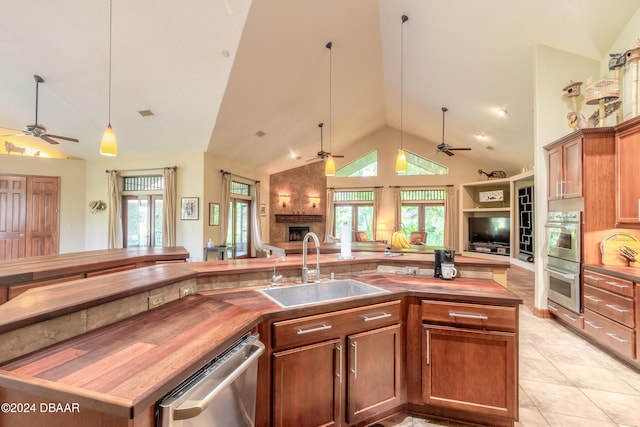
(260, 134)
(488, 147)
(146, 113)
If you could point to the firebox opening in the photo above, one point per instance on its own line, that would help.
(297, 233)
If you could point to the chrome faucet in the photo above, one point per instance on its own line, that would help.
(305, 270)
(275, 278)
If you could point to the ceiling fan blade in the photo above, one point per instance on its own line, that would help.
(448, 153)
(66, 138)
(337, 156)
(460, 149)
(15, 134)
(49, 140)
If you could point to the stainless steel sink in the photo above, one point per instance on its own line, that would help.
(311, 293)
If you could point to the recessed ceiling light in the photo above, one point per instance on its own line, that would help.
(224, 53)
(502, 112)
(146, 113)
(481, 136)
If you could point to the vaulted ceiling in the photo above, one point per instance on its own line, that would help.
(217, 72)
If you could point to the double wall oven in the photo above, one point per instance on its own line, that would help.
(563, 258)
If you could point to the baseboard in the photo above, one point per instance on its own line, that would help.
(542, 312)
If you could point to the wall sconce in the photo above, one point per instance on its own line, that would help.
(97, 205)
(284, 199)
(315, 201)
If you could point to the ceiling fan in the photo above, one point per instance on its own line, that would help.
(446, 148)
(322, 155)
(38, 130)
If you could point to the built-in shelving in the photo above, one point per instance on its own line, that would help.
(500, 198)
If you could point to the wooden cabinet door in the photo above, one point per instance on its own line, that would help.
(627, 184)
(307, 385)
(470, 370)
(554, 164)
(374, 365)
(572, 169)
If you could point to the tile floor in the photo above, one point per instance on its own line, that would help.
(564, 380)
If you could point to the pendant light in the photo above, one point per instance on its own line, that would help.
(401, 159)
(330, 165)
(108, 144)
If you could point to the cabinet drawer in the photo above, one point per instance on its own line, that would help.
(610, 333)
(613, 306)
(609, 283)
(564, 315)
(310, 329)
(470, 315)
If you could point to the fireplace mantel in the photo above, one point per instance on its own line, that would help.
(298, 218)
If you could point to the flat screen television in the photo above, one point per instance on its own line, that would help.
(489, 230)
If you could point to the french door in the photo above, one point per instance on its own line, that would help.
(142, 221)
(239, 231)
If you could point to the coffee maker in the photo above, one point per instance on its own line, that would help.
(442, 257)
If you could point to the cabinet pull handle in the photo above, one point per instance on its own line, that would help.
(557, 191)
(428, 347)
(573, 319)
(552, 308)
(588, 276)
(324, 327)
(339, 350)
(617, 285)
(468, 315)
(593, 325)
(380, 316)
(615, 337)
(591, 298)
(355, 359)
(615, 307)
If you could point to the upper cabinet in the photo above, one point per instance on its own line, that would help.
(565, 170)
(627, 184)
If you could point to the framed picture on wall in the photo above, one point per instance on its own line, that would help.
(189, 208)
(214, 214)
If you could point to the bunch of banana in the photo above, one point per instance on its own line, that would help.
(399, 240)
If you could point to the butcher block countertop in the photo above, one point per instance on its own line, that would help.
(123, 368)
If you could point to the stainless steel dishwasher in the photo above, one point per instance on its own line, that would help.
(221, 394)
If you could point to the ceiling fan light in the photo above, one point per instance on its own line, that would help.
(330, 166)
(401, 161)
(108, 144)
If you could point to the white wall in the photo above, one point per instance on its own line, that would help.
(553, 71)
(73, 206)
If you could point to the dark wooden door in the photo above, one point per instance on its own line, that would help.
(13, 213)
(374, 368)
(28, 216)
(470, 370)
(306, 385)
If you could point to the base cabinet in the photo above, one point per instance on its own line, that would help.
(307, 381)
(469, 361)
(352, 375)
(470, 370)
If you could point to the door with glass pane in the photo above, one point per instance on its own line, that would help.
(361, 215)
(424, 217)
(239, 231)
(142, 221)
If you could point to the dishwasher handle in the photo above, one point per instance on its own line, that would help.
(193, 408)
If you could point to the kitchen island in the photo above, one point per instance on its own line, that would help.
(117, 371)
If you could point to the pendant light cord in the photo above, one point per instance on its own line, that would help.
(110, 24)
(329, 45)
(401, 84)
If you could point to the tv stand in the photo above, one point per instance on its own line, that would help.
(489, 248)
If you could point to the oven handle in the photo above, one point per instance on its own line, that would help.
(567, 276)
(194, 408)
